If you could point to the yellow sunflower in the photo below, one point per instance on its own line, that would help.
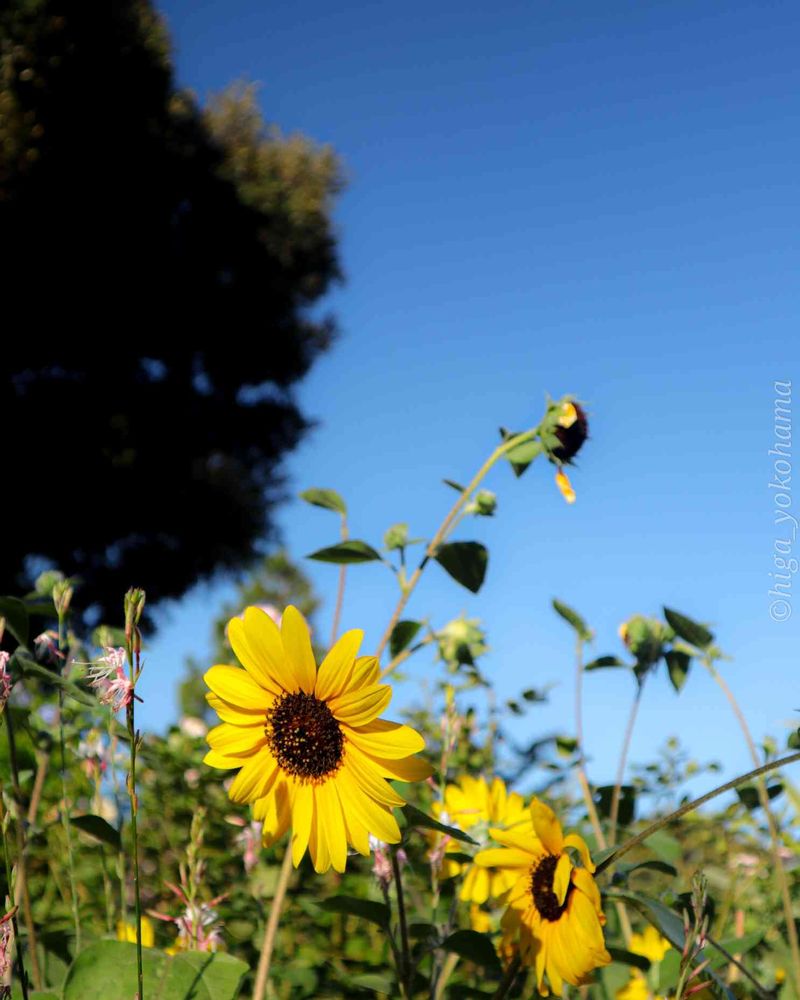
(473, 805)
(312, 751)
(553, 906)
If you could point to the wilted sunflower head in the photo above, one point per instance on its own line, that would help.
(572, 429)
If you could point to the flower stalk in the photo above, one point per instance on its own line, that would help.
(134, 603)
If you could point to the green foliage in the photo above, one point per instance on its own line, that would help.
(346, 553)
(466, 562)
(573, 619)
(328, 499)
(107, 971)
(403, 634)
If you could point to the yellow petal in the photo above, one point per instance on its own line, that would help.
(583, 881)
(253, 641)
(546, 826)
(357, 833)
(318, 845)
(374, 817)
(574, 840)
(337, 667)
(236, 716)
(302, 801)
(503, 857)
(407, 769)
(329, 815)
(565, 486)
(297, 648)
(561, 878)
(366, 670)
(255, 778)
(237, 688)
(521, 837)
(385, 739)
(356, 708)
(275, 813)
(369, 777)
(222, 760)
(230, 739)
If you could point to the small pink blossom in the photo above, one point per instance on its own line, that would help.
(46, 645)
(5, 678)
(6, 939)
(199, 926)
(249, 840)
(107, 676)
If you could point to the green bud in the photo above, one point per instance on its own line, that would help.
(645, 638)
(45, 582)
(483, 504)
(396, 537)
(62, 596)
(461, 642)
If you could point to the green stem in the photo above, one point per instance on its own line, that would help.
(134, 738)
(63, 649)
(447, 971)
(21, 975)
(648, 831)
(337, 614)
(623, 759)
(442, 533)
(271, 931)
(405, 970)
(21, 893)
(508, 979)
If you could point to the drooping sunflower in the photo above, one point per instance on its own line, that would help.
(312, 751)
(553, 906)
(473, 805)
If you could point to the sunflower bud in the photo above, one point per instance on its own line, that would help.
(645, 638)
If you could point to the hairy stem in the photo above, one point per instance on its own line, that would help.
(687, 807)
(271, 930)
(780, 872)
(623, 760)
(444, 529)
(21, 893)
(405, 970)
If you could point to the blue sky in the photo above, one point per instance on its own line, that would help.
(589, 198)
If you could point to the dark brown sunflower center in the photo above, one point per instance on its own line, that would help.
(304, 736)
(544, 899)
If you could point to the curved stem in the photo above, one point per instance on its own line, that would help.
(509, 979)
(444, 529)
(337, 614)
(594, 819)
(687, 807)
(447, 971)
(404, 654)
(63, 649)
(780, 873)
(623, 759)
(271, 930)
(405, 952)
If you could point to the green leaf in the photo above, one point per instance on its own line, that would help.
(376, 913)
(403, 635)
(652, 865)
(566, 745)
(396, 537)
(694, 633)
(793, 743)
(603, 795)
(98, 828)
(734, 946)
(329, 499)
(416, 817)
(522, 454)
(466, 562)
(344, 553)
(107, 971)
(574, 619)
(629, 958)
(678, 666)
(605, 661)
(665, 845)
(453, 485)
(475, 947)
(375, 982)
(27, 666)
(749, 797)
(16, 616)
(16, 994)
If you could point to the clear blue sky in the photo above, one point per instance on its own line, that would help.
(566, 197)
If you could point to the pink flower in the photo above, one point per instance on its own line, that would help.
(47, 646)
(5, 678)
(107, 676)
(199, 926)
(6, 938)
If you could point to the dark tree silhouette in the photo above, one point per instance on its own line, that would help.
(158, 266)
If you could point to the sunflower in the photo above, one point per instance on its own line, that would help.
(312, 751)
(554, 906)
(474, 806)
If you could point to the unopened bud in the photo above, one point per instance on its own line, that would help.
(484, 504)
(62, 596)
